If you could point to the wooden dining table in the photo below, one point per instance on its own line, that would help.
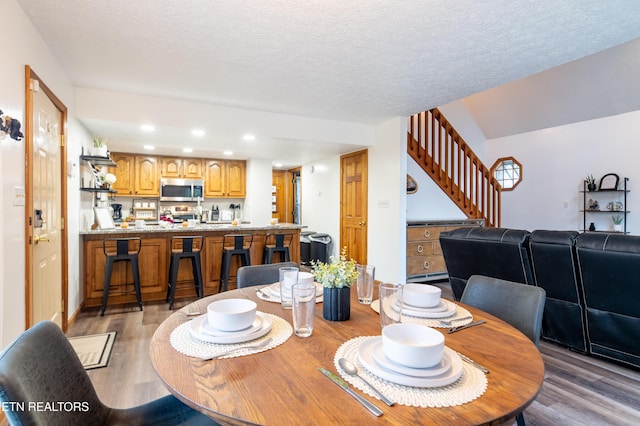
(282, 385)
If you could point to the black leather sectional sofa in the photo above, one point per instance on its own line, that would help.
(592, 281)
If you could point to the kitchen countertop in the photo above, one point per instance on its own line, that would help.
(199, 227)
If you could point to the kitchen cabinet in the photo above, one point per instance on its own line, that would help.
(124, 172)
(136, 175)
(154, 259)
(225, 179)
(424, 254)
(187, 168)
(147, 180)
(153, 266)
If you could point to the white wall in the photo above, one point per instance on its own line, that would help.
(387, 201)
(555, 161)
(23, 46)
(321, 198)
(257, 204)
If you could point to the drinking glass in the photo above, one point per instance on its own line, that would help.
(288, 277)
(390, 303)
(366, 276)
(304, 308)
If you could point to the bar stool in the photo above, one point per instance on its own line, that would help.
(241, 247)
(277, 243)
(183, 247)
(126, 249)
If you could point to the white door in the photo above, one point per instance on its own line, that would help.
(46, 215)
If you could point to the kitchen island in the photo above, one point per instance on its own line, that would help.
(155, 254)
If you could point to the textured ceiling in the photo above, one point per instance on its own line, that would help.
(360, 61)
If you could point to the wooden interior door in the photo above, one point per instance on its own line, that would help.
(45, 211)
(279, 183)
(353, 204)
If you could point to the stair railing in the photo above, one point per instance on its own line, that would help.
(444, 155)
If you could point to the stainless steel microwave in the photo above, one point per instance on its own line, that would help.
(181, 189)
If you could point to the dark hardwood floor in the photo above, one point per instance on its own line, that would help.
(578, 390)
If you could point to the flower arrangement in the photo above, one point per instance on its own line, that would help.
(338, 273)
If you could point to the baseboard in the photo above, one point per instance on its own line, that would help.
(73, 317)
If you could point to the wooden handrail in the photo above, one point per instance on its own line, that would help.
(445, 156)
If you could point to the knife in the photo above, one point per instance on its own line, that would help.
(462, 327)
(344, 385)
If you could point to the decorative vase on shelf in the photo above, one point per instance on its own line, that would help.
(591, 187)
(617, 227)
(100, 151)
(336, 278)
(336, 303)
(592, 227)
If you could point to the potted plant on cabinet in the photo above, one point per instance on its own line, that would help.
(336, 278)
(617, 223)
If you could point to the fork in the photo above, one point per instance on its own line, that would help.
(261, 291)
(447, 323)
(250, 348)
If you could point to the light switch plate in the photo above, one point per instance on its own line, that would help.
(19, 196)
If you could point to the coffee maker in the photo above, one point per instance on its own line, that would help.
(117, 211)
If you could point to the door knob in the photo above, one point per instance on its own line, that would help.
(37, 238)
(362, 223)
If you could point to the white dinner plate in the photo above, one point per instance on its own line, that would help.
(196, 326)
(440, 307)
(274, 289)
(206, 328)
(422, 313)
(365, 355)
(438, 369)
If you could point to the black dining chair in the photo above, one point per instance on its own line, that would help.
(261, 274)
(41, 366)
(521, 305)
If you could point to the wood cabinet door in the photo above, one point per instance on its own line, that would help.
(146, 176)
(214, 185)
(192, 168)
(124, 172)
(171, 167)
(235, 179)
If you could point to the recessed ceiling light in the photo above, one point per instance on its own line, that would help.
(228, 152)
(197, 132)
(278, 165)
(148, 127)
(187, 150)
(149, 147)
(249, 137)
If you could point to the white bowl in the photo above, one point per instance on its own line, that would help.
(231, 314)
(305, 278)
(421, 295)
(412, 345)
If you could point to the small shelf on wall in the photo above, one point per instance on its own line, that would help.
(616, 199)
(98, 161)
(109, 191)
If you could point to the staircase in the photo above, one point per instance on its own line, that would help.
(442, 153)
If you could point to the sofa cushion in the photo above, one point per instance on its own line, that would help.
(492, 252)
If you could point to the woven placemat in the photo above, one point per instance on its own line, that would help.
(182, 341)
(471, 384)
